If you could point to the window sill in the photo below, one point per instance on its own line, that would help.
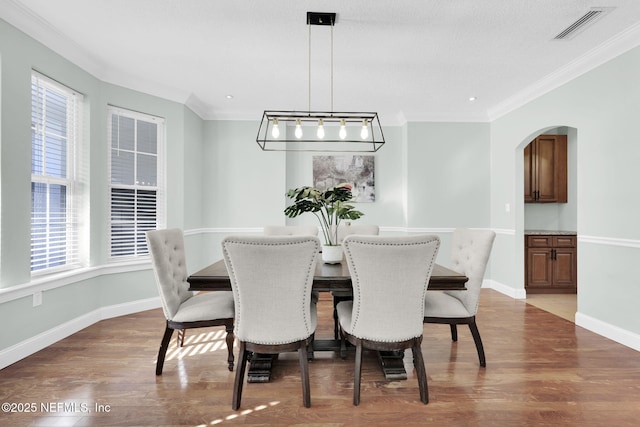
(47, 282)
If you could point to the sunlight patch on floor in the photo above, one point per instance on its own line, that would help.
(197, 343)
(243, 412)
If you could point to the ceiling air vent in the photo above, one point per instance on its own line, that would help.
(583, 22)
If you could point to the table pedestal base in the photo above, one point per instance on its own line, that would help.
(391, 362)
(260, 367)
(392, 365)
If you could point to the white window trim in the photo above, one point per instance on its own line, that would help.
(161, 176)
(78, 250)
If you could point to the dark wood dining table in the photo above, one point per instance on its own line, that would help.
(327, 278)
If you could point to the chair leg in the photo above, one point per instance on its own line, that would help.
(309, 346)
(454, 332)
(237, 385)
(163, 349)
(418, 362)
(230, 338)
(181, 334)
(343, 345)
(476, 338)
(304, 374)
(357, 374)
(335, 318)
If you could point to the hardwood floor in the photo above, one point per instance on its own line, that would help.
(541, 370)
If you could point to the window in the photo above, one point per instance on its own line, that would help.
(55, 123)
(136, 180)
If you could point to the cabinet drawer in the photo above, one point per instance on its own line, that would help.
(539, 241)
(564, 241)
(550, 241)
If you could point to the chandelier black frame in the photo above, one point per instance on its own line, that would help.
(333, 131)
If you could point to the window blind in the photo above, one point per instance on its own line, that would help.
(55, 129)
(136, 177)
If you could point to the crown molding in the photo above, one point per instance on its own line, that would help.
(27, 21)
(34, 26)
(597, 56)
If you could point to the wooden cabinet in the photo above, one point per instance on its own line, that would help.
(545, 170)
(551, 264)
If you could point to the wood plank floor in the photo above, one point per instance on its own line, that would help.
(541, 370)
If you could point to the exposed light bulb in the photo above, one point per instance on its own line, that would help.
(298, 131)
(320, 129)
(364, 133)
(343, 129)
(275, 131)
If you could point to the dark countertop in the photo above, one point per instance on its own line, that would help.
(550, 232)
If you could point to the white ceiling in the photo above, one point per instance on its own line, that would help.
(408, 60)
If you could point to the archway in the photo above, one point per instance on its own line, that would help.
(552, 217)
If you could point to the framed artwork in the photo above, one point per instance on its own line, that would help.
(358, 171)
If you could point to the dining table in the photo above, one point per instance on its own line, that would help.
(327, 278)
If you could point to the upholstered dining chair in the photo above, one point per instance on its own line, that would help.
(345, 230)
(290, 230)
(295, 230)
(390, 276)
(470, 250)
(182, 308)
(271, 279)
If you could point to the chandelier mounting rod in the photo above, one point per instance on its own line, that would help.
(321, 131)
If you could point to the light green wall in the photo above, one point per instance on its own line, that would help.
(193, 163)
(602, 106)
(448, 177)
(243, 185)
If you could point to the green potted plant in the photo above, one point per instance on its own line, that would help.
(330, 207)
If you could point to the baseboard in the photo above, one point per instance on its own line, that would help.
(607, 330)
(504, 289)
(36, 343)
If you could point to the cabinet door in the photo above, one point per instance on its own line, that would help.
(529, 179)
(539, 267)
(545, 169)
(565, 270)
(547, 163)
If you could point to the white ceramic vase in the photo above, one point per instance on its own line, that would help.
(331, 254)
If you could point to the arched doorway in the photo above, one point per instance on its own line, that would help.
(550, 219)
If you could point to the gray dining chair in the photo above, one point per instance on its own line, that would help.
(470, 251)
(390, 276)
(295, 230)
(290, 230)
(345, 230)
(271, 279)
(183, 309)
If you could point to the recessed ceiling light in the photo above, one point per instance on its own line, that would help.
(472, 98)
(229, 96)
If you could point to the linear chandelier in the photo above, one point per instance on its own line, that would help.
(320, 130)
